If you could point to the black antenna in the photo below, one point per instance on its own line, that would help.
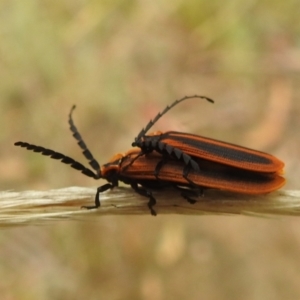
(66, 159)
(86, 152)
(159, 115)
(56, 155)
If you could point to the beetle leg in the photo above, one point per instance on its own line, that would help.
(185, 174)
(158, 167)
(100, 189)
(146, 193)
(133, 160)
(189, 193)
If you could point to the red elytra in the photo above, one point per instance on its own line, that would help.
(187, 147)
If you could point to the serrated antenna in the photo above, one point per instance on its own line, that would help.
(86, 152)
(59, 156)
(160, 114)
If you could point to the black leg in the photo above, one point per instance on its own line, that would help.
(133, 160)
(144, 192)
(159, 166)
(100, 189)
(189, 193)
(185, 174)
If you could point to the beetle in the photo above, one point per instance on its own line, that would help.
(148, 171)
(140, 173)
(187, 147)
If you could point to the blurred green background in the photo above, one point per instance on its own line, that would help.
(121, 62)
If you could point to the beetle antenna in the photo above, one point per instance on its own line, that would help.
(86, 152)
(56, 155)
(160, 114)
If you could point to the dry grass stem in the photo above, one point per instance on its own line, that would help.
(36, 207)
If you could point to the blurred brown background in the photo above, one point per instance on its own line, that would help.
(121, 62)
